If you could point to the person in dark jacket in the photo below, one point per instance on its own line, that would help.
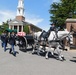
(4, 40)
(12, 42)
(52, 28)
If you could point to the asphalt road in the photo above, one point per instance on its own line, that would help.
(27, 64)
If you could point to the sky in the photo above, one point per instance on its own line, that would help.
(36, 12)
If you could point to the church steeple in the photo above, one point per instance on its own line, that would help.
(20, 10)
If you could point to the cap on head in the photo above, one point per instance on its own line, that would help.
(52, 24)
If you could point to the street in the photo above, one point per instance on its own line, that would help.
(27, 64)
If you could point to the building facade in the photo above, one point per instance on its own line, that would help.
(71, 26)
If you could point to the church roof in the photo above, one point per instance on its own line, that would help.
(16, 22)
(30, 24)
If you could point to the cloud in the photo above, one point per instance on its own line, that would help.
(34, 19)
(51, 1)
(7, 14)
(55, 0)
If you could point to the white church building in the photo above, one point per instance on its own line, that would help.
(19, 22)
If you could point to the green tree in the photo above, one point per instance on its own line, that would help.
(3, 27)
(61, 11)
(26, 29)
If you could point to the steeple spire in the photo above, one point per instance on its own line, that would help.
(20, 8)
(20, 11)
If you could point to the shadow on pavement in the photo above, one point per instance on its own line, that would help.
(73, 61)
(26, 50)
(41, 53)
(14, 54)
(74, 57)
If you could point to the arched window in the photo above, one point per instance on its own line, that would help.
(19, 11)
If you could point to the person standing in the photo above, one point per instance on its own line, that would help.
(4, 40)
(12, 42)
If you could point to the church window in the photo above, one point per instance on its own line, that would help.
(19, 10)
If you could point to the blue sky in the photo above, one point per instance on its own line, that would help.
(36, 12)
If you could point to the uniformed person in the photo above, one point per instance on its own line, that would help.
(4, 40)
(53, 28)
(12, 42)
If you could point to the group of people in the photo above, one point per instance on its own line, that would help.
(8, 39)
(11, 39)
